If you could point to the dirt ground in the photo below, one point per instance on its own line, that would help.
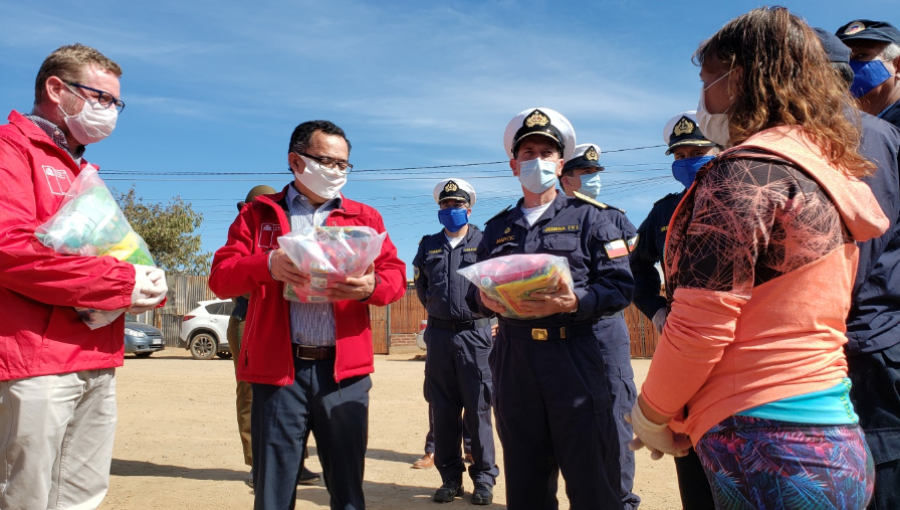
(177, 444)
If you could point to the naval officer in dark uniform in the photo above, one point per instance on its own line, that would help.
(457, 375)
(691, 150)
(551, 398)
(581, 179)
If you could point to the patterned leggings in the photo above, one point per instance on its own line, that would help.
(753, 463)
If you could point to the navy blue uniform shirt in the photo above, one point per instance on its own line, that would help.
(892, 114)
(578, 231)
(440, 289)
(873, 323)
(649, 251)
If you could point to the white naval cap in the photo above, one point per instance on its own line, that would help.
(454, 188)
(683, 129)
(540, 121)
(586, 155)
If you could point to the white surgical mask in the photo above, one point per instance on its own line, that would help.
(93, 123)
(324, 182)
(714, 126)
(590, 184)
(537, 175)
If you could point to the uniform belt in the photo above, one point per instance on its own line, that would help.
(457, 326)
(548, 333)
(308, 352)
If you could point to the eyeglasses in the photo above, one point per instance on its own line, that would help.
(104, 98)
(330, 163)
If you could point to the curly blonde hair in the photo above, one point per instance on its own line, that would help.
(787, 80)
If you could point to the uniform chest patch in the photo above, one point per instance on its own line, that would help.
(268, 235)
(432, 252)
(561, 228)
(474, 248)
(57, 180)
(505, 239)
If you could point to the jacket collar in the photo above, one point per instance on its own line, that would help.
(37, 135)
(279, 201)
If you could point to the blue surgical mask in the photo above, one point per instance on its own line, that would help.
(685, 170)
(453, 219)
(537, 175)
(590, 184)
(867, 76)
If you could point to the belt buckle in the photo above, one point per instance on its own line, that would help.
(539, 334)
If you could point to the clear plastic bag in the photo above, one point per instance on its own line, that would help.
(89, 222)
(512, 279)
(328, 255)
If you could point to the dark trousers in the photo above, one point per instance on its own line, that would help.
(337, 414)
(615, 345)
(429, 438)
(876, 398)
(458, 377)
(693, 484)
(552, 403)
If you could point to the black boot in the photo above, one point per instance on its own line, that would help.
(451, 490)
(483, 494)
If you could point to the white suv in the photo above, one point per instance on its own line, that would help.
(204, 329)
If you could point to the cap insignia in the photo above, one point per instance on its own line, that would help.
(537, 118)
(591, 154)
(684, 127)
(451, 187)
(854, 28)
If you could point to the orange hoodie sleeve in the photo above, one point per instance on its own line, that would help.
(751, 218)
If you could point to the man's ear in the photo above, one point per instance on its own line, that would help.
(53, 89)
(296, 162)
(559, 167)
(514, 166)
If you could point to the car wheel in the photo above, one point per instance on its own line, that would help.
(142, 354)
(203, 346)
(224, 355)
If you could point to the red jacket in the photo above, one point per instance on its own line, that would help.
(242, 266)
(40, 333)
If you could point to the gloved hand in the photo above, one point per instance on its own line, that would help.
(659, 319)
(657, 437)
(149, 288)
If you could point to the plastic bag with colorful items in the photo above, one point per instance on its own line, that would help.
(89, 222)
(329, 255)
(513, 279)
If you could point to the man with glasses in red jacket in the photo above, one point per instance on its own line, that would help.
(57, 376)
(308, 363)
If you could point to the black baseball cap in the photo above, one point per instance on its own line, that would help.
(869, 30)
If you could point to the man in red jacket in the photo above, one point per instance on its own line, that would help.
(57, 376)
(308, 363)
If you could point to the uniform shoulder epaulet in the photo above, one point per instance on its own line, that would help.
(499, 214)
(423, 238)
(667, 197)
(596, 203)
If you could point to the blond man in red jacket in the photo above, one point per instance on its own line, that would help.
(308, 363)
(57, 376)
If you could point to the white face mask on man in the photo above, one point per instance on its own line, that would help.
(714, 126)
(537, 175)
(324, 182)
(93, 123)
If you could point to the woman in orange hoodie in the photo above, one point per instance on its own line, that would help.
(759, 265)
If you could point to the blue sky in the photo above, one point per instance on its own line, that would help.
(217, 87)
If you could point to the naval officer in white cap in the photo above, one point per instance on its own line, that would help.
(581, 179)
(457, 376)
(551, 398)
